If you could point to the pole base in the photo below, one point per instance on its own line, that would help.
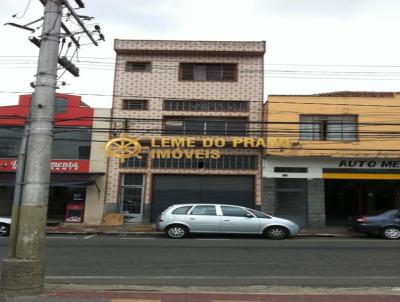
(21, 277)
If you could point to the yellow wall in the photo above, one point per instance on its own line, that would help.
(378, 109)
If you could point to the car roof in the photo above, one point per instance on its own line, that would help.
(5, 219)
(206, 204)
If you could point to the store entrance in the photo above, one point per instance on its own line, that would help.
(59, 197)
(344, 198)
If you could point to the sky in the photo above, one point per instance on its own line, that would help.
(312, 46)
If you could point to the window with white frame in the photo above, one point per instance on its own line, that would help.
(328, 127)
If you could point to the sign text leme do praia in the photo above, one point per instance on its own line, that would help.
(187, 147)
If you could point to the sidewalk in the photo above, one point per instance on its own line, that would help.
(149, 229)
(241, 294)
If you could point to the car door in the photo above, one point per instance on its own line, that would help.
(204, 219)
(238, 220)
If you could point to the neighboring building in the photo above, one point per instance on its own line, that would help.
(335, 155)
(198, 89)
(78, 166)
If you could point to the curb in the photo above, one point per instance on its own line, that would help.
(155, 233)
(114, 233)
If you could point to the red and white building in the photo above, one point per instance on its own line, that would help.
(78, 166)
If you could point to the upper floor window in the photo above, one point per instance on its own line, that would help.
(225, 162)
(328, 127)
(189, 105)
(135, 104)
(207, 72)
(136, 162)
(61, 105)
(138, 66)
(10, 141)
(205, 126)
(72, 143)
(69, 142)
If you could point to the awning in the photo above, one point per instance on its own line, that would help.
(58, 180)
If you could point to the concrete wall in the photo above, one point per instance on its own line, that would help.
(95, 195)
(316, 203)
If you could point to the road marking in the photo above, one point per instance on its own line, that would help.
(90, 236)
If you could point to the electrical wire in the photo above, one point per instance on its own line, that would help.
(26, 9)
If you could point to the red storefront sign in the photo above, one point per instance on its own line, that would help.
(56, 166)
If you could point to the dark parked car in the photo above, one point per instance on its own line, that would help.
(5, 224)
(386, 224)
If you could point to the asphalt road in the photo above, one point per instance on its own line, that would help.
(215, 261)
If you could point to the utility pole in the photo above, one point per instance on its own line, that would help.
(22, 273)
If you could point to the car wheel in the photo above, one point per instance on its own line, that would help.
(276, 232)
(391, 233)
(4, 229)
(177, 231)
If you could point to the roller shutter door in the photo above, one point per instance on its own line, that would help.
(175, 189)
(291, 200)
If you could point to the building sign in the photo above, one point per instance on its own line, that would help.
(381, 164)
(324, 167)
(187, 147)
(56, 165)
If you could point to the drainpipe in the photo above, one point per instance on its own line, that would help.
(19, 180)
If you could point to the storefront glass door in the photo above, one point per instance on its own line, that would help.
(131, 202)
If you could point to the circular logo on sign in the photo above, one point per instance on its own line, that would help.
(123, 147)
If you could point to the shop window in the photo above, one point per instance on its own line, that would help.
(135, 104)
(328, 127)
(138, 66)
(207, 72)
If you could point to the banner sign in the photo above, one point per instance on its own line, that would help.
(56, 165)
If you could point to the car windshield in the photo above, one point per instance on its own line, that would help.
(258, 214)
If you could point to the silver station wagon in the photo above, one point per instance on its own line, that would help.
(181, 219)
